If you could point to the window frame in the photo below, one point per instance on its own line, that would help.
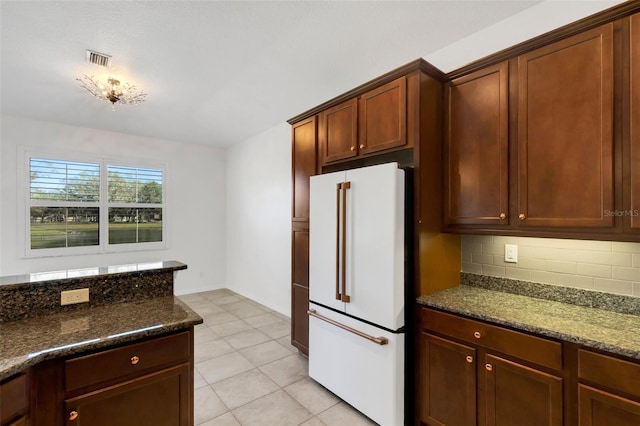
(24, 203)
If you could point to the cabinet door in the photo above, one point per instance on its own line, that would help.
(383, 117)
(159, 399)
(304, 165)
(598, 408)
(476, 148)
(13, 400)
(565, 132)
(634, 91)
(447, 382)
(300, 290)
(339, 131)
(519, 395)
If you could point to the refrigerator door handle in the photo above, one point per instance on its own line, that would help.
(345, 297)
(338, 188)
(378, 340)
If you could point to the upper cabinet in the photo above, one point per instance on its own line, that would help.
(633, 154)
(565, 132)
(476, 148)
(339, 131)
(543, 139)
(374, 122)
(383, 117)
(304, 165)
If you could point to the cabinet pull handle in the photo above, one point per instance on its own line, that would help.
(73, 415)
(469, 359)
(353, 148)
(361, 145)
(503, 215)
(477, 335)
(521, 216)
(134, 360)
(489, 367)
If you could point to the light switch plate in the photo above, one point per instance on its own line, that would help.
(511, 253)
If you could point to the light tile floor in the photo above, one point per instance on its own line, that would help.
(248, 374)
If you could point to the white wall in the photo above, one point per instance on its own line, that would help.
(532, 22)
(195, 182)
(259, 218)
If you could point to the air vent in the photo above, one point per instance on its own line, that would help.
(99, 59)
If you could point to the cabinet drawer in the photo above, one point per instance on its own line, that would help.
(125, 361)
(608, 371)
(520, 345)
(13, 398)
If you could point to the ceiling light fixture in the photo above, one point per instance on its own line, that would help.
(113, 91)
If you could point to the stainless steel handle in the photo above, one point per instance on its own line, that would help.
(378, 340)
(338, 188)
(345, 298)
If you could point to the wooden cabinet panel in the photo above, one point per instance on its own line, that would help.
(524, 346)
(300, 245)
(476, 148)
(448, 382)
(634, 154)
(383, 117)
(519, 395)
(13, 400)
(299, 318)
(599, 408)
(130, 360)
(148, 400)
(624, 376)
(304, 136)
(339, 131)
(565, 132)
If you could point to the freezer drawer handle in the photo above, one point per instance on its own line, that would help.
(378, 340)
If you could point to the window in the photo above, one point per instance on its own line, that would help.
(96, 206)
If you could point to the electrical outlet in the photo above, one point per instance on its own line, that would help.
(511, 253)
(70, 297)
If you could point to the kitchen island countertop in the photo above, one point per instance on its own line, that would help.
(28, 341)
(617, 333)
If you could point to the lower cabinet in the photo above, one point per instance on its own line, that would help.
(609, 390)
(142, 383)
(448, 382)
(14, 401)
(476, 373)
(515, 394)
(159, 399)
(465, 379)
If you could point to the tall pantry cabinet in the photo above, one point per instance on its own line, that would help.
(304, 154)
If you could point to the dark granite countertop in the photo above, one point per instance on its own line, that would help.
(607, 330)
(80, 273)
(28, 341)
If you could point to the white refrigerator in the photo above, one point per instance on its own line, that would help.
(357, 288)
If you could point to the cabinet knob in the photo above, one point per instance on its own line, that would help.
(134, 360)
(361, 145)
(489, 367)
(477, 335)
(469, 359)
(353, 148)
(73, 415)
(521, 216)
(503, 215)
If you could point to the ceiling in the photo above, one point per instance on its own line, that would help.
(216, 72)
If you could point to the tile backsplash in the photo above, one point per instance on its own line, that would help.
(608, 266)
